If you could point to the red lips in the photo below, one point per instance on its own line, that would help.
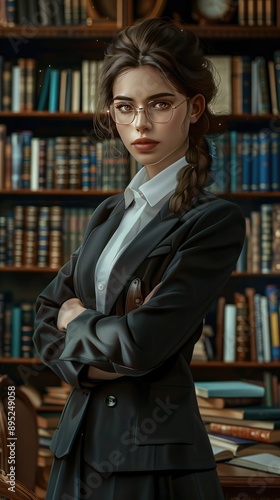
(144, 144)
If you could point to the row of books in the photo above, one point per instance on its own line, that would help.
(247, 85)
(45, 12)
(239, 424)
(245, 161)
(16, 328)
(242, 162)
(256, 12)
(29, 162)
(248, 328)
(42, 236)
(25, 88)
(261, 249)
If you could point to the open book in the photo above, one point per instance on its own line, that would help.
(265, 462)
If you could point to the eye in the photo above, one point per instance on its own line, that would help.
(160, 105)
(124, 108)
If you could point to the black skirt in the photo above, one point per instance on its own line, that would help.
(73, 479)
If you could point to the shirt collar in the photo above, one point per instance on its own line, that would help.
(155, 189)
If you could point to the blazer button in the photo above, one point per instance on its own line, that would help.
(111, 401)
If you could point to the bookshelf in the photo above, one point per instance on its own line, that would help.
(51, 45)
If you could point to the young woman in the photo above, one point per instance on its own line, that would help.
(120, 320)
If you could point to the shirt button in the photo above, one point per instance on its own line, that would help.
(111, 401)
(100, 286)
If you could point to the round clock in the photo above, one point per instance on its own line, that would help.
(213, 11)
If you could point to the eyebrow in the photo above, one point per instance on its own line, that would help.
(155, 96)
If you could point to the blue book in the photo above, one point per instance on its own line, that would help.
(255, 170)
(16, 332)
(272, 293)
(246, 162)
(44, 91)
(264, 165)
(228, 389)
(233, 161)
(275, 159)
(54, 90)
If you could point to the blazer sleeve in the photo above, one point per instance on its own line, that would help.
(143, 339)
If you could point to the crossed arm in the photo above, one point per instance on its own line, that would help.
(72, 308)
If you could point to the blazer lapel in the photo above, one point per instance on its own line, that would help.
(139, 249)
(93, 247)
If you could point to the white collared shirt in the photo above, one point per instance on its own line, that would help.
(149, 196)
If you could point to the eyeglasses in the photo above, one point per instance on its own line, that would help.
(123, 113)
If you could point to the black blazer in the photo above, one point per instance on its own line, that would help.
(149, 419)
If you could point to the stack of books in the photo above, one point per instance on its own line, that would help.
(237, 422)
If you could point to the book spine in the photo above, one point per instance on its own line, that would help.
(3, 236)
(246, 161)
(242, 328)
(276, 59)
(3, 135)
(54, 90)
(255, 217)
(272, 293)
(250, 294)
(276, 237)
(16, 332)
(265, 329)
(255, 171)
(55, 237)
(258, 323)
(266, 238)
(275, 160)
(264, 162)
(26, 159)
(43, 236)
(229, 349)
(261, 435)
(7, 86)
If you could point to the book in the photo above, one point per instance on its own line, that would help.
(219, 340)
(48, 420)
(236, 422)
(242, 327)
(245, 413)
(230, 388)
(222, 66)
(265, 462)
(227, 402)
(44, 90)
(221, 454)
(229, 350)
(250, 293)
(254, 433)
(54, 90)
(239, 446)
(272, 294)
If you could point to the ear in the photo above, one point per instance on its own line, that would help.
(197, 107)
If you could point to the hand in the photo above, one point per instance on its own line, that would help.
(149, 296)
(69, 310)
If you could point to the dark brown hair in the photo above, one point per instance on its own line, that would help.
(178, 54)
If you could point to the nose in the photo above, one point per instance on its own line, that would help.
(141, 120)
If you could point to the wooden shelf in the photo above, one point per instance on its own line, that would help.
(106, 29)
(231, 31)
(57, 192)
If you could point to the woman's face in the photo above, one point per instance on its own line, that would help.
(155, 145)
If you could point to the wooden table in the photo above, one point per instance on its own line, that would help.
(239, 483)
